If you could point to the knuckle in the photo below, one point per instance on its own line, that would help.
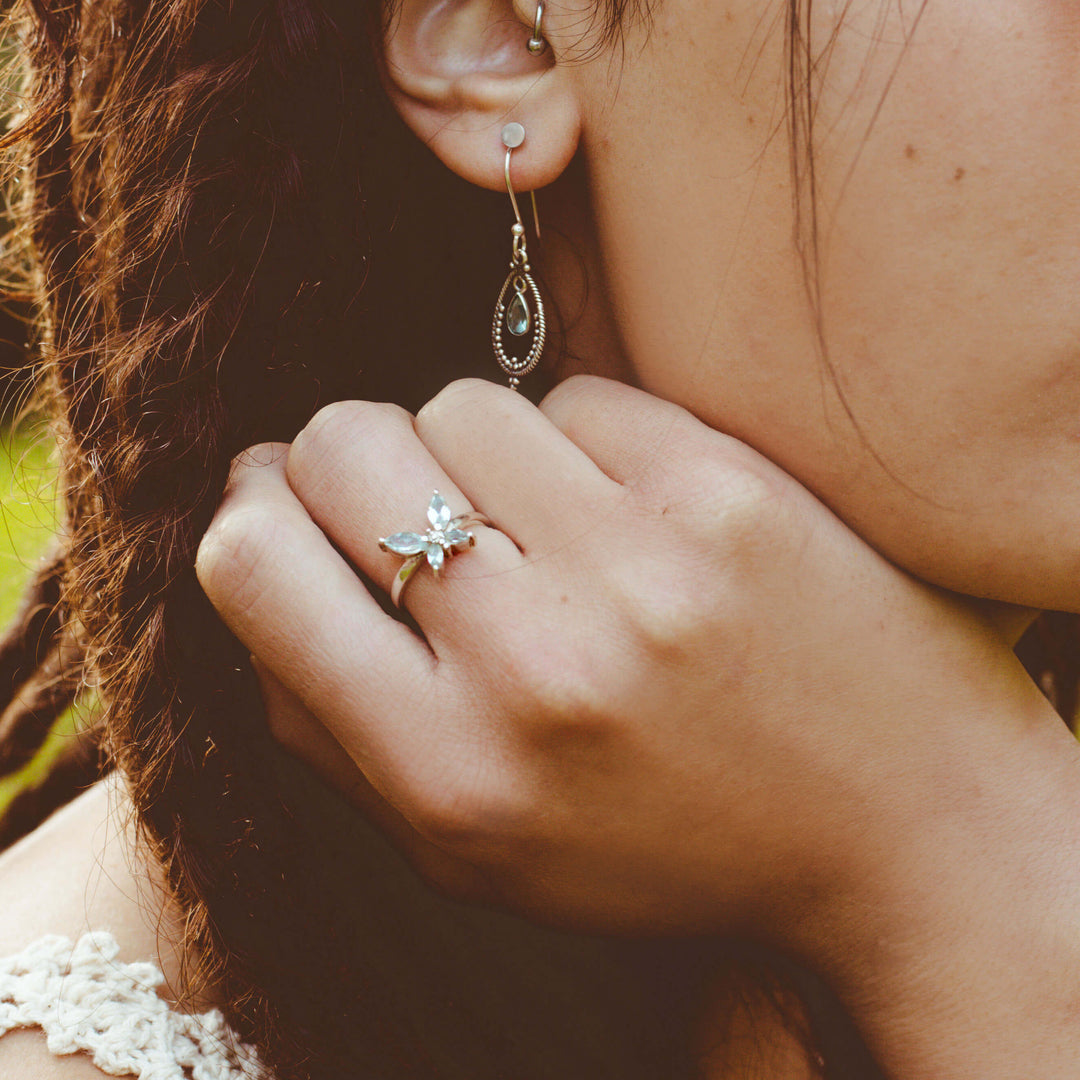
(234, 557)
(451, 816)
(463, 397)
(568, 701)
(337, 426)
(746, 497)
(482, 817)
(573, 705)
(726, 501)
(669, 623)
(576, 392)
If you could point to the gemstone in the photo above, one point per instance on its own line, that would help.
(517, 316)
(438, 512)
(404, 543)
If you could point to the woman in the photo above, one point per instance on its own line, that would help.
(673, 692)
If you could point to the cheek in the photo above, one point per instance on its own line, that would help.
(948, 283)
(953, 236)
(943, 420)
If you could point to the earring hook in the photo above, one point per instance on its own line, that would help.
(513, 135)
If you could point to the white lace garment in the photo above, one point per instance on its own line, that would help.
(83, 998)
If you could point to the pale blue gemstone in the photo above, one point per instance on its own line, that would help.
(405, 543)
(438, 512)
(517, 316)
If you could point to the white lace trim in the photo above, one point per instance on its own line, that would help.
(85, 999)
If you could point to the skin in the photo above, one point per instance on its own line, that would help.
(950, 242)
(601, 739)
(84, 870)
(930, 875)
(950, 248)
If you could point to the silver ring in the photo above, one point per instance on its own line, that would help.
(447, 536)
(536, 42)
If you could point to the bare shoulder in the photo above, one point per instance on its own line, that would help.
(81, 871)
(24, 1056)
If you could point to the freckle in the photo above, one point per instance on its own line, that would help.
(729, 16)
(564, 599)
(910, 152)
(960, 174)
(750, 121)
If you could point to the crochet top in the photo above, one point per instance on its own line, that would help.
(84, 999)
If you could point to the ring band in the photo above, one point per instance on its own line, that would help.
(447, 537)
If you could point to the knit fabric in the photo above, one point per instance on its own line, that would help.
(83, 998)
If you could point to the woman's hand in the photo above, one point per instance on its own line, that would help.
(667, 690)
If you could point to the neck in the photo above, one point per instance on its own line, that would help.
(574, 278)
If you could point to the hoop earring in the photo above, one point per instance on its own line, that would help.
(518, 317)
(536, 43)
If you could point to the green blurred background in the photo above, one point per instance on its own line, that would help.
(28, 490)
(28, 520)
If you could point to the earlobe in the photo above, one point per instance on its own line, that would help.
(459, 70)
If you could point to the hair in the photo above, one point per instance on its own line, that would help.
(224, 225)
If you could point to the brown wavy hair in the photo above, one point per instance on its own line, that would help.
(224, 225)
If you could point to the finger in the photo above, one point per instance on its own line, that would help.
(301, 734)
(291, 598)
(663, 455)
(362, 474)
(627, 432)
(510, 460)
(297, 730)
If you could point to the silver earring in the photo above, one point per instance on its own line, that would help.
(522, 313)
(536, 42)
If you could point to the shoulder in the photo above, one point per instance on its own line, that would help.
(80, 871)
(24, 1055)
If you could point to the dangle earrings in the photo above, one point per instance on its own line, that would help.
(519, 310)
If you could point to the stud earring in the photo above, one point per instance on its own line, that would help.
(536, 42)
(522, 313)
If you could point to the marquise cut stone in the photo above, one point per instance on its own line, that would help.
(405, 543)
(438, 512)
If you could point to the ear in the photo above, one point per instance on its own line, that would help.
(459, 70)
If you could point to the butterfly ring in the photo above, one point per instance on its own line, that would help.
(447, 537)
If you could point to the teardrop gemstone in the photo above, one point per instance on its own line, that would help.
(517, 316)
